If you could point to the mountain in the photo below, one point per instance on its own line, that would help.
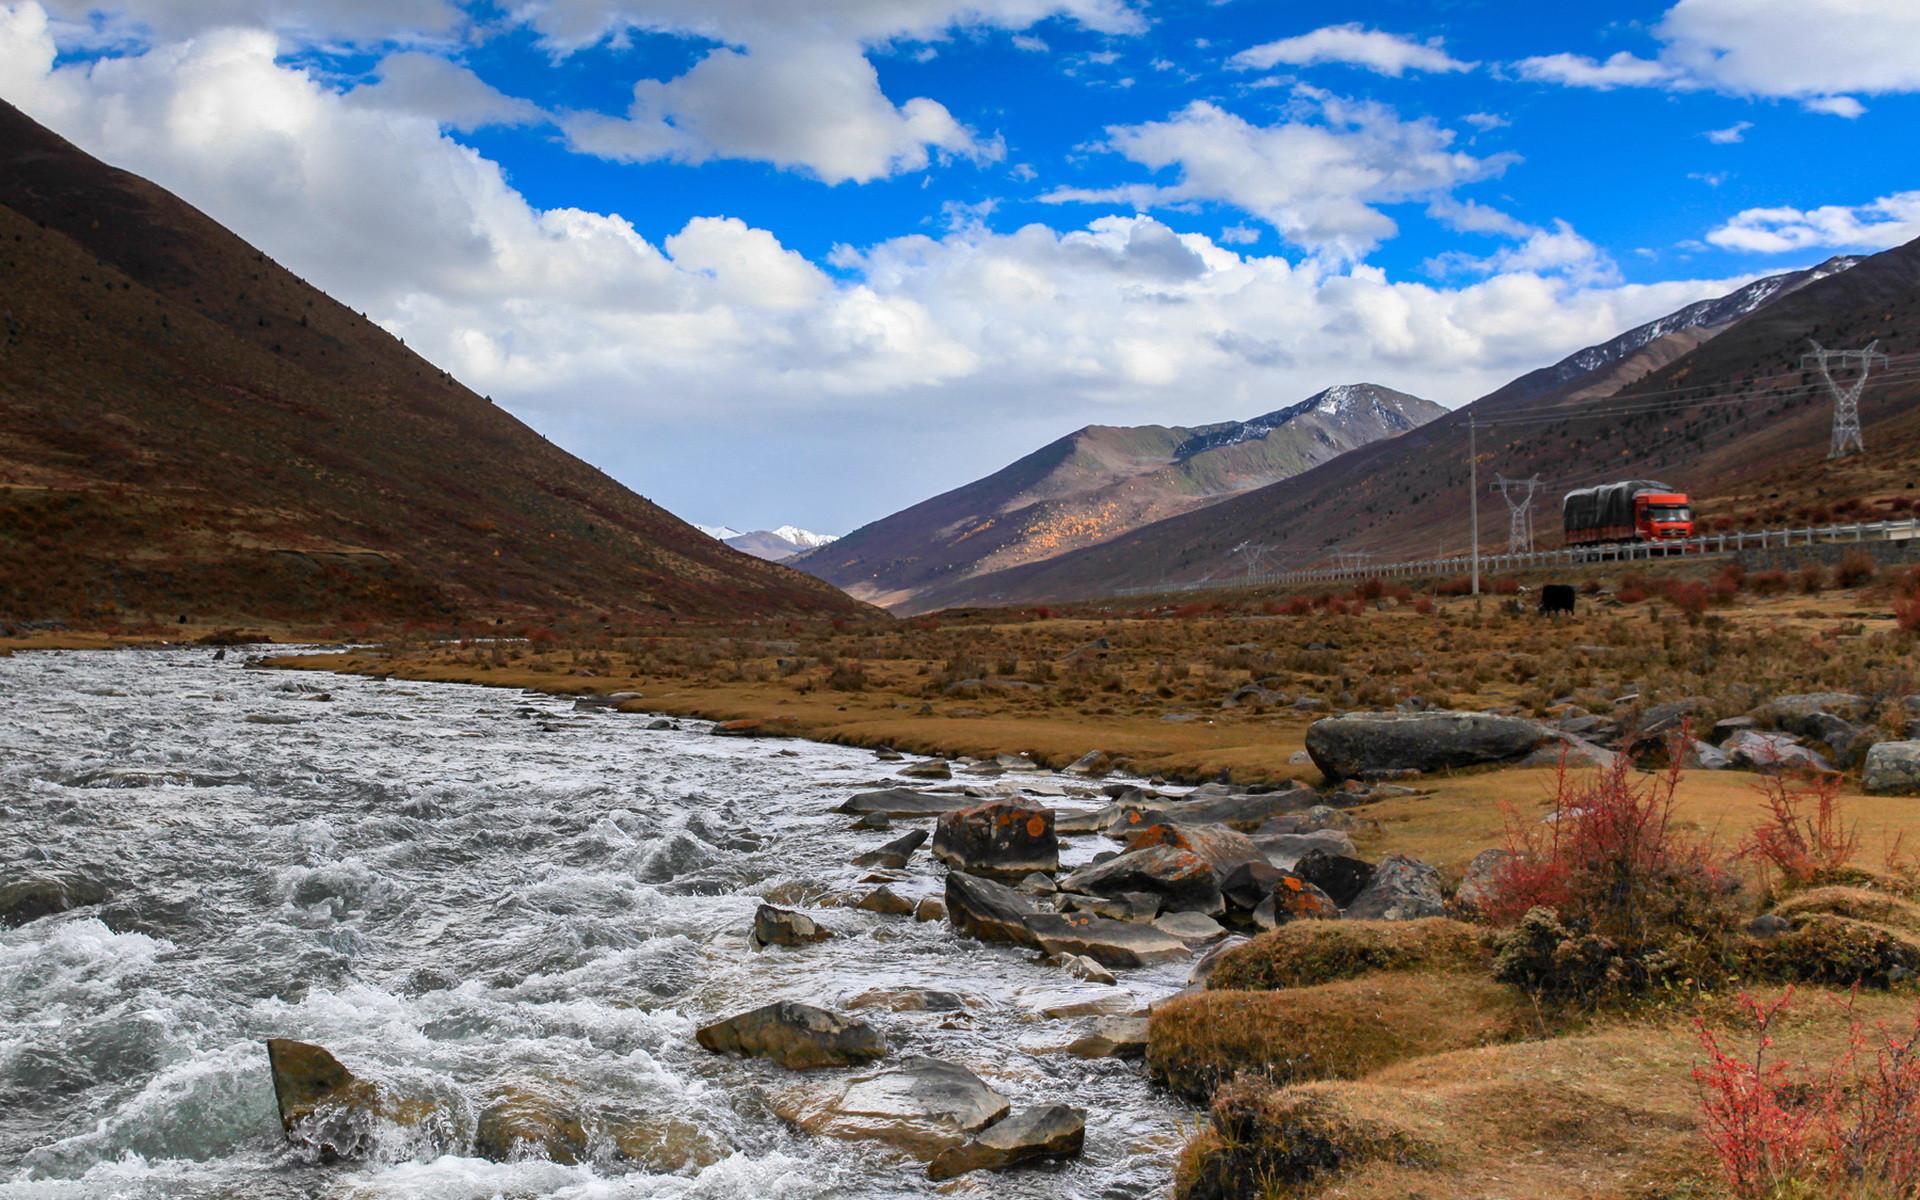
(1099, 483)
(1753, 454)
(719, 532)
(189, 430)
(777, 545)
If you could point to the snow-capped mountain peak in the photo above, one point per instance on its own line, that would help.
(718, 532)
(803, 537)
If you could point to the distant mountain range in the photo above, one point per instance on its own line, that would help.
(1724, 411)
(1098, 483)
(774, 545)
(187, 430)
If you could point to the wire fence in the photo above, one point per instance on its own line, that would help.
(1712, 544)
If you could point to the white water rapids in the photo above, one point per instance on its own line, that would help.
(460, 887)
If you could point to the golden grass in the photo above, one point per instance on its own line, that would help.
(1343, 1029)
(1306, 953)
(1608, 1114)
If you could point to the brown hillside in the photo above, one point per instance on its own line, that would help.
(187, 429)
(1759, 461)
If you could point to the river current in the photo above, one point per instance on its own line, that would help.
(460, 887)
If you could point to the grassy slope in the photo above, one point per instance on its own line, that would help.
(1763, 461)
(185, 427)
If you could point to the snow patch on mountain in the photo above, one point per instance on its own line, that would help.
(719, 533)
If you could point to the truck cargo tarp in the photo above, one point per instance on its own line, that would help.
(1609, 506)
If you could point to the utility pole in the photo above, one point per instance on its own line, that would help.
(1846, 401)
(1473, 492)
(1519, 512)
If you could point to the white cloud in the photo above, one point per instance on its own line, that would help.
(432, 86)
(1029, 43)
(1355, 45)
(917, 350)
(1818, 51)
(354, 21)
(1318, 179)
(1577, 70)
(1557, 251)
(1484, 121)
(1239, 235)
(1888, 221)
(1736, 132)
(1835, 106)
(815, 106)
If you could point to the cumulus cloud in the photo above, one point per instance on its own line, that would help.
(1555, 251)
(354, 21)
(1354, 45)
(431, 86)
(1318, 179)
(1877, 225)
(652, 351)
(1817, 51)
(1736, 132)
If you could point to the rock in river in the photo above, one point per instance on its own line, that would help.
(920, 1105)
(1008, 839)
(1109, 943)
(1223, 848)
(325, 1109)
(904, 802)
(895, 854)
(526, 1123)
(797, 1036)
(33, 894)
(784, 927)
(1031, 1135)
(989, 911)
(1181, 878)
(1382, 743)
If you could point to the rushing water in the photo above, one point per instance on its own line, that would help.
(461, 887)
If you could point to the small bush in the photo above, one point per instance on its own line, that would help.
(1855, 569)
(1268, 1141)
(1768, 583)
(1847, 1130)
(1835, 950)
(1805, 832)
(1812, 579)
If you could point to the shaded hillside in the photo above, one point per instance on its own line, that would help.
(1098, 483)
(1759, 458)
(188, 429)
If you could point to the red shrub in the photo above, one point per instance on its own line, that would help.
(1423, 605)
(1631, 593)
(1804, 832)
(1906, 614)
(1504, 586)
(1768, 583)
(1846, 1131)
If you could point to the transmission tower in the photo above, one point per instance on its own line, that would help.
(1351, 559)
(1253, 555)
(1518, 493)
(1846, 400)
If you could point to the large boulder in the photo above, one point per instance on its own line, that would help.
(1478, 885)
(1009, 839)
(1032, 1135)
(1769, 752)
(784, 927)
(1893, 769)
(1286, 849)
(1222, 847)
(904, 802)
(1181, 878)
(1359, 745)
(523, 1123)
(1402, 889)
(1109, 943)
(1801, 714)
(931, 769)
(988, 911)
(893, 855)
(799, 1037)
(922, 1106)
(1242, 811)
(1341, 876)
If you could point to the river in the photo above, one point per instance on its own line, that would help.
(460, 887)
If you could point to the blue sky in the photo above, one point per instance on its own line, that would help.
(775, 262)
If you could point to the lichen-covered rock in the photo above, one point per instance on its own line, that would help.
(799, 1037)
(1769, 752)
(1359, 745)
(1032, 1135)
(1222, 847)
(1477, 886)
(988, 911)
(1006, 839)
(1341, 876)
(1402, 889)
(1181, 878)
(1893, 769)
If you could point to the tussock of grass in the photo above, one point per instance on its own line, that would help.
(1836, 950)
(1307, 953)
(1267, 1140)
(1858, 903)
(1338, 1030)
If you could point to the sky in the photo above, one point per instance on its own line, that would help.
(812, 261)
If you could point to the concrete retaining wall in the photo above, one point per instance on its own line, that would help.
(1791, 558)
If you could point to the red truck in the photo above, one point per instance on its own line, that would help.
(1633, 510)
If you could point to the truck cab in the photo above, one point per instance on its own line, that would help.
(1662, 516)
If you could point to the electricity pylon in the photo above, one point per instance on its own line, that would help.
(1846, 400)
(1519, 511)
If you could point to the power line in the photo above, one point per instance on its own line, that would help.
(1723, 400)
